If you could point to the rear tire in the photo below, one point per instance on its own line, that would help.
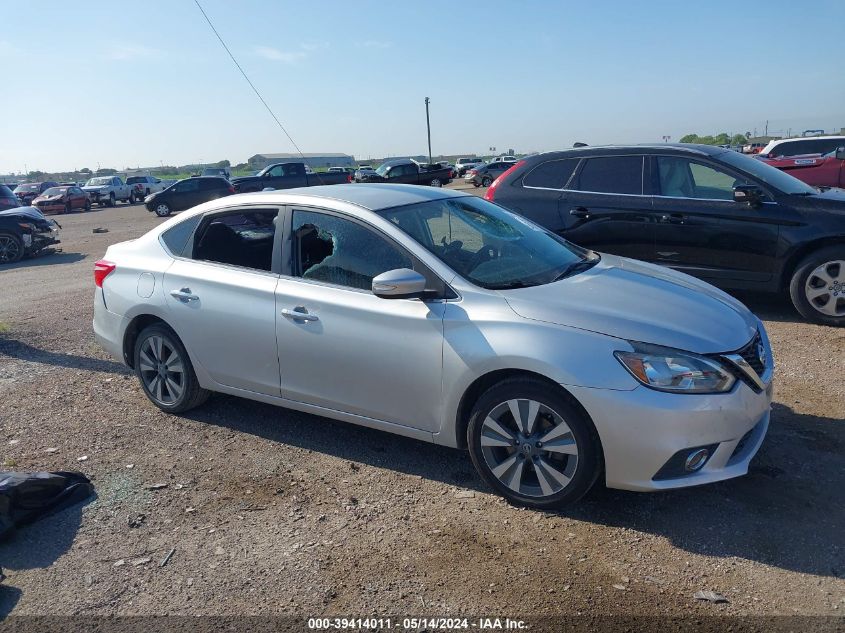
(68, 208)
(553, 465)
(165, 371)
(87, 205)
(817, 287)
(11, 248)
(485, 182)
(436, 182)
(112, 200)
(131, 197)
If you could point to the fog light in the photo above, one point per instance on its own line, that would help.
(696, 460)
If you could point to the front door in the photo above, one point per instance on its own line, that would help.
(185, 194)
(702, 231)
(604, 208)
(340, 346)
(221, 299)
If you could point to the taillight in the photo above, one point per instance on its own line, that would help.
(473, 172)
(491, 190)
(231, 188)
(348, 177)
(102, 269)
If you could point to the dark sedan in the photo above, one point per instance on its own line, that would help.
(25, 231)
(484, 175)
(188, 193)
(727, 218)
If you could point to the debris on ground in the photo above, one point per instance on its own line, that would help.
(710, 596)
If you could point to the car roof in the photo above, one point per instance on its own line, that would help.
(650, 148)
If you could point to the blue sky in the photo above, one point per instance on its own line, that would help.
(123, 84)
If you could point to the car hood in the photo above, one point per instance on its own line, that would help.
(642, 302)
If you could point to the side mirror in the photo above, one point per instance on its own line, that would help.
(751, 195)
(401, 283)
(840, 153)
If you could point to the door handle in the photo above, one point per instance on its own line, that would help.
(672, 218)
(184, 295)
(580, 212)
(299, 313)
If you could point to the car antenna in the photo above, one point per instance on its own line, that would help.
(255, 90)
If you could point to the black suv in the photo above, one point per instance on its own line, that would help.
(188, 193)
(727, 218)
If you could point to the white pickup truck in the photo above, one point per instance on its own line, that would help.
(107, 190)
(145, 185)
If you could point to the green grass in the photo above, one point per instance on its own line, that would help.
(4, 327)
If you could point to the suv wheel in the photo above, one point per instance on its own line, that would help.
(485, 182)
(532, 446)
(162, 209)
(435, 182)
(165, 371)
(817, 288)
(11, 248)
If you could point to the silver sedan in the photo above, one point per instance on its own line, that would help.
(443, 317)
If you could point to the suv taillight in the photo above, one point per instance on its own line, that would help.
(491, 190)
(102, 269)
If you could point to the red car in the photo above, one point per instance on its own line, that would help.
(62, 199)
(817, 170)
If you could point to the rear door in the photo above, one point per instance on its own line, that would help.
(287, 176)
(702, 231)
(538, 195)
(221, 298)
(604, 207)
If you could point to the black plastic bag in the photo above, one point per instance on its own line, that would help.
(25, 497)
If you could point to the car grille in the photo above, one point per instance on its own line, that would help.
(749, 353)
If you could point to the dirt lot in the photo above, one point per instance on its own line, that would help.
(275, 512)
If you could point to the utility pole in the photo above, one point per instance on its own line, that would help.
(766, 133)
(428, 127)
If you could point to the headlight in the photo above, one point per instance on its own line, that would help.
(667, 369)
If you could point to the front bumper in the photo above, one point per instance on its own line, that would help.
(642, 429)
(52, 206)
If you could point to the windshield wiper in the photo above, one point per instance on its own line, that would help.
(575, 268)
(510, 285)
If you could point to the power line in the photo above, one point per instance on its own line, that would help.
(254, 89)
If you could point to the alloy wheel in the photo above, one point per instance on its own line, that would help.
(162, 210)
(436, 183)
(162, 369)
(10, 249)
(529, 447)
(825, 288)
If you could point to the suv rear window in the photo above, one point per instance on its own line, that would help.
(612, 174)
(553, 174)
(808, 146)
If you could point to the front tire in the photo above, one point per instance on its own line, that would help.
(11, 248)
(162, 209)
(532, 445)
(87, 205)
(817, 287)
(164, 369)
(68, 208)
(485, 182)
(112, 200)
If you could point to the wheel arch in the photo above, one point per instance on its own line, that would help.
(135, 327)
(797, 256)
(481, 384)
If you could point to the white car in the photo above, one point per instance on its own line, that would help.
(443, 317)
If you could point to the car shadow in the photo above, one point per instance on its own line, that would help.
(770, 307)
(45, 259)
(14, 348)
(37, 545)
(786, 512)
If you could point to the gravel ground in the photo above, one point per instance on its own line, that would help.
(269, 511)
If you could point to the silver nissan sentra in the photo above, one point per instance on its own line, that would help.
(446, 318)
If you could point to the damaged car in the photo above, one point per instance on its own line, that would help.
(25, 232)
